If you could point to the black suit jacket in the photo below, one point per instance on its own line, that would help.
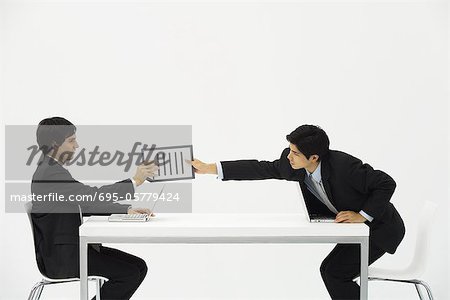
(349, 184)
(55, 224)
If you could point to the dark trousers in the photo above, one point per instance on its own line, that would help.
(341, 266)
(124, 271)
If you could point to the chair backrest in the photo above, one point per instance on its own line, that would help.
(422, 247)
(28, 208)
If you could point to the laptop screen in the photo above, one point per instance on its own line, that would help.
(315, 207)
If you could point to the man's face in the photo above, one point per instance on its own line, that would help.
(67, 149)
(298, 160)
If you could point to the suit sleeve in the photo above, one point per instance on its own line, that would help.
(256, 170)
(378, 185)
(101, 199)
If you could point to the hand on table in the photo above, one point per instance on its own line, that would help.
(139, 210)
(349, 217)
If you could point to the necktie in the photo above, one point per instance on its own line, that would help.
(322, 194)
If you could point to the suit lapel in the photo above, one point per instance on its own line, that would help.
(325, 179)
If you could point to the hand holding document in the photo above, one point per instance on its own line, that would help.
(172, 162)
(145, 170)
(203, 168)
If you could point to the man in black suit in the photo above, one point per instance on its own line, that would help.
(56, 224)
(354, 192)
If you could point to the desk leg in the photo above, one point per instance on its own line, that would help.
(84, 292)
(364, 268)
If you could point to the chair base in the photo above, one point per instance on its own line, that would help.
(417, 283)
(36, 291)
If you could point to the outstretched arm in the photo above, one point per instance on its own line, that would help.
(248, 169)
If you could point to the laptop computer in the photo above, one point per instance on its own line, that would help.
(316, 212)
(156, 201)
(134, 217)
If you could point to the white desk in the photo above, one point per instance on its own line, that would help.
(220, 229)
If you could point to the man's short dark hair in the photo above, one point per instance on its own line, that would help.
(52, 132)
(310, 140)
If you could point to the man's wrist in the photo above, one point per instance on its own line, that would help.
(138, 181)
(366, 216)
(213, 169)
(219, 170)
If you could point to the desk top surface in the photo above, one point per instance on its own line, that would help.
(220, 225)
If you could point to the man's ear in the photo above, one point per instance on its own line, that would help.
(314, 158)
(54, 148)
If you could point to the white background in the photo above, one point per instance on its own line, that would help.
(372, 74)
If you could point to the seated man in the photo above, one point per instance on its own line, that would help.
(342, 184)
(55, 225)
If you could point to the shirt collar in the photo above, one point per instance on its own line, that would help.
(55, 160)
(316, 175)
